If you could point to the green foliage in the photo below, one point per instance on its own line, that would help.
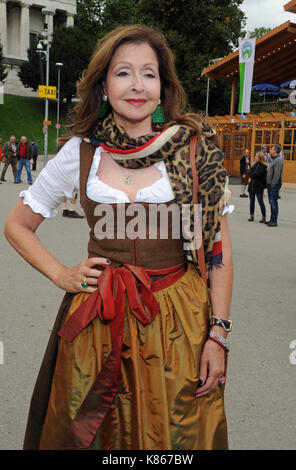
(29, 72)
(89, 17)
(120, 13)
(3, 73)
(258, 32)
(196, 31)
(72, 47)
(24, 116)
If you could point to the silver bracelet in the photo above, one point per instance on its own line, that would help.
(220, 338)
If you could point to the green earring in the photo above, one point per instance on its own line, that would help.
(103, 107)
(158, 115)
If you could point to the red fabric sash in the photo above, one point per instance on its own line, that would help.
(108, 302)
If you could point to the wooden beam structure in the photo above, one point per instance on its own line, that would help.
(291, 6)
(273, 63)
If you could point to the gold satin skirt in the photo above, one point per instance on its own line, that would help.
(155, 407)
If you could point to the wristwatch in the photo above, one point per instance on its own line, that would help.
(225, 324)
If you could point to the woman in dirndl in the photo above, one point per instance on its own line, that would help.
(137, 356)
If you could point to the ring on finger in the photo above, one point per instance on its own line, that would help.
(222, 380)
(84, 284)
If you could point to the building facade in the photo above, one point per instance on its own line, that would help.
(20, 23)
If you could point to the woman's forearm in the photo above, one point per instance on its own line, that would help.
(221, 278)
(20, 232)
(221, 290)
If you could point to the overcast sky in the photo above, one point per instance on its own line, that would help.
(267, 13)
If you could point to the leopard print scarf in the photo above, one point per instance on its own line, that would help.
(172, 146)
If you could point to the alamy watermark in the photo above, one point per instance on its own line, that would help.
(293, 353)
(1, 353)
(150, 224)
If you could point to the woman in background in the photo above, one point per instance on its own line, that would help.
(257, 185)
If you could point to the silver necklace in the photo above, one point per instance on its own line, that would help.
(127, 179)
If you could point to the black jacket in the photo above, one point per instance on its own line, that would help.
(29, 151)
(258, 178)
(243, 165)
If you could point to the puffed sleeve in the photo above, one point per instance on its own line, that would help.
(58, 179)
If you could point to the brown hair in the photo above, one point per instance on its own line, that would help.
(90, 91)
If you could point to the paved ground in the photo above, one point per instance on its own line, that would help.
(260, 391)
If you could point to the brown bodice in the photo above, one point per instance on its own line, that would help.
(113, 224)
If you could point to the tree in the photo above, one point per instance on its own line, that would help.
(89, 17)
(3, 73)
(98, 17)
(120, 13)
(197, 32)
(72, 47)
(258, 32)
(29, 72)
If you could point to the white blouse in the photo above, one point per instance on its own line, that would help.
(60, 179)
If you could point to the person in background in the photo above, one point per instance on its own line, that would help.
(244, 171)
(257, 185)
(267, 156)
(9, 152)
(35, 154)
(274, 183)
(69, 209)
(282, 155)
(24, 155)
(1, 156)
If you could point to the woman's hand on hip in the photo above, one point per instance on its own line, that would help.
(212, 367)
(70, 279)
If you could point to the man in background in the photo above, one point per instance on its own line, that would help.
(245, 166)
(267, 155)
(274, 183)
(69, 208)
(35, 154)
(24, 155)
(9, 151)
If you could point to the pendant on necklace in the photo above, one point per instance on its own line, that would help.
(128, 179)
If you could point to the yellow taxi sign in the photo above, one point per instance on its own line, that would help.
(47, 91)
